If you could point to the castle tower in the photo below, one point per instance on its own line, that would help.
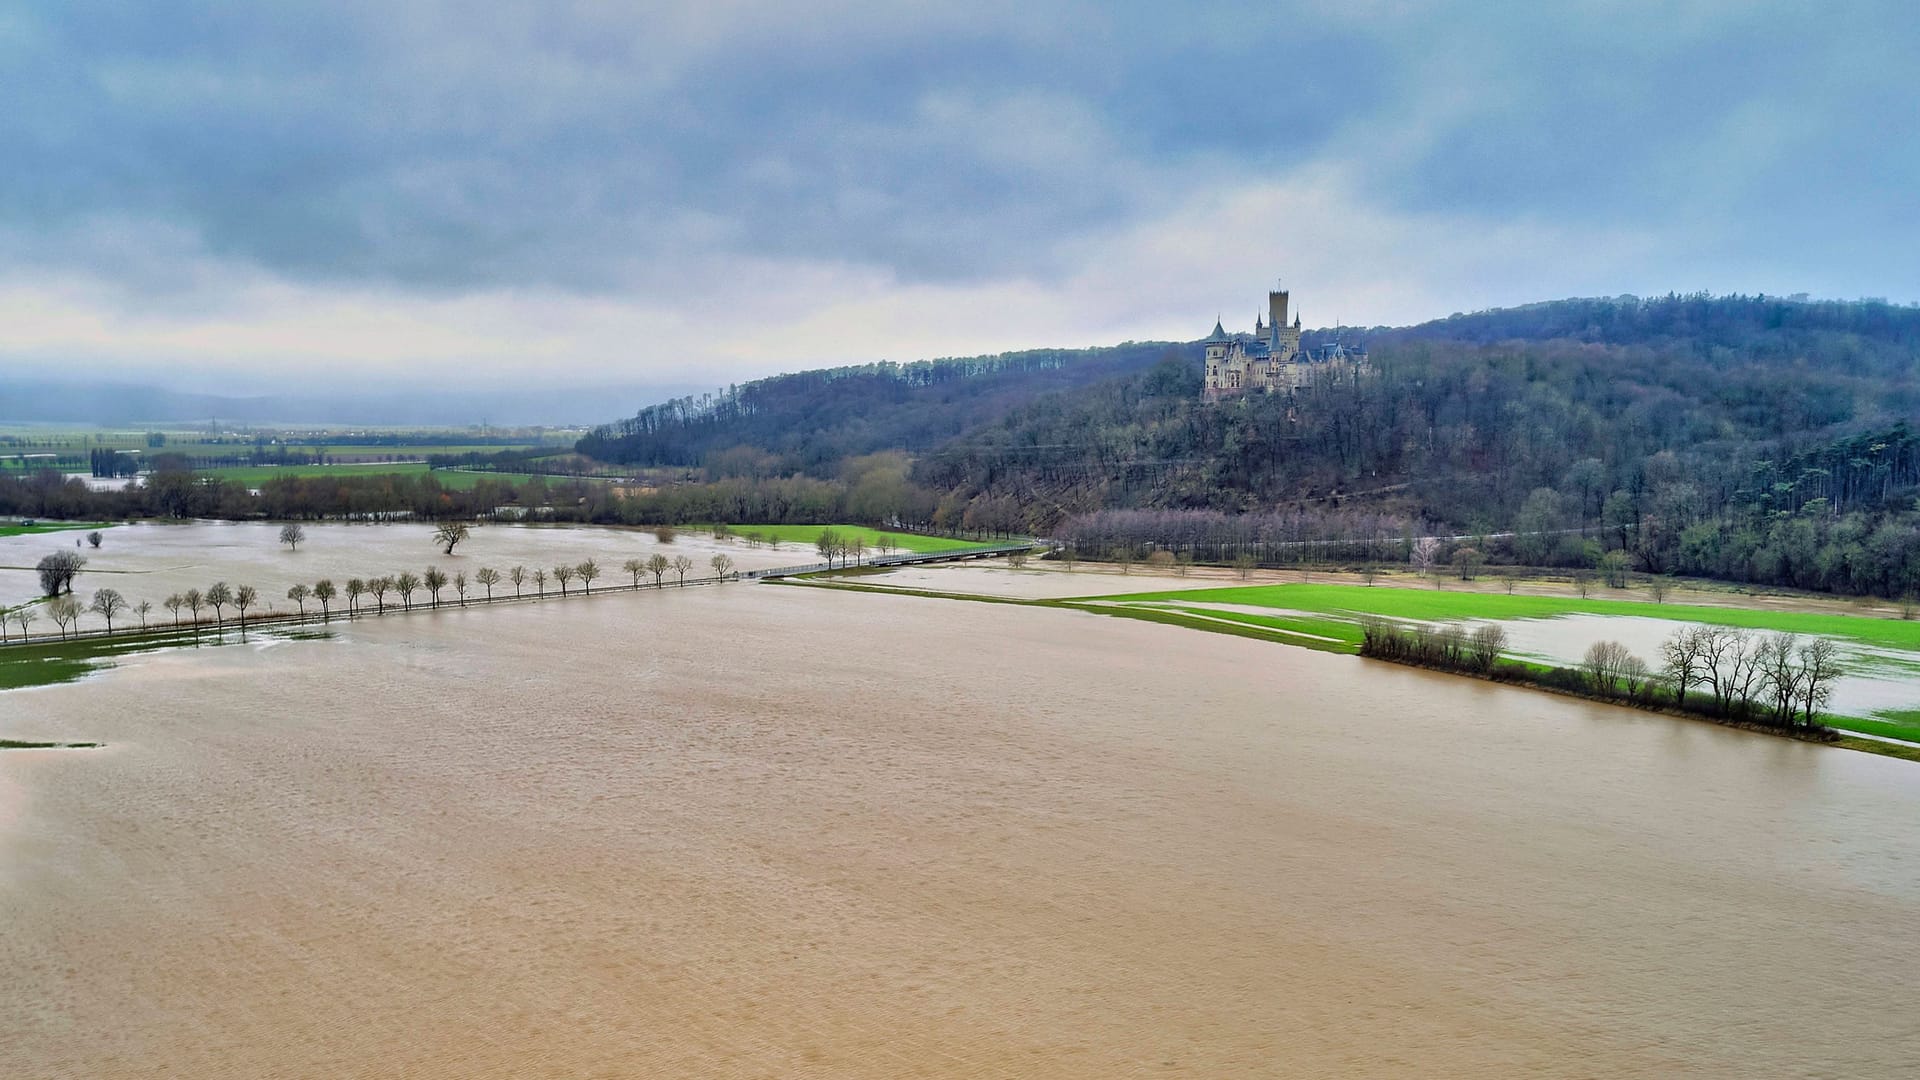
(1277, 308)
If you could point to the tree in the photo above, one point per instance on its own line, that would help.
(1613, 567)
(636, 568)
(722, 565)
(1244, 563)
(174, 603)
(1723, 663)
(380, 587)
(1485, 646)
(1819, 666)
(657, 565)
(450, 533)
(540, 581)
(682, 564)
(488, 577)
(517, 575)
(1781, 676)
(587, 570)
(243, 598)
(1633, 672)
(1658, 586)
(1681, 660)
(57, 572)
(291, 534)
(563, 574)
(405, 584)
(1018, 559)
(107, 603)
(194, 601)
(858, 546)
(434, 581)
(885, 542)
(24, 618)
(65, 612)
(298, 594)
(1467, 562)
(1603, 663)
(828, 544)
(94, 538)
(460, 586)
(219, 595)
(356, 588)
(324, 592)
(143, 609)
(1067, 556)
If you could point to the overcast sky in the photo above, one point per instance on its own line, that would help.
(240, 195)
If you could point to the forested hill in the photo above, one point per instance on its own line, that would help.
(1745, 417)
(809, 422)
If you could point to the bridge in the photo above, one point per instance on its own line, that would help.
(912, 558)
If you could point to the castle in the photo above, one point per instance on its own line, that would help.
(1271, 360)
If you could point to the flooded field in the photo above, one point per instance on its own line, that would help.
(150, 561)
(772, 831)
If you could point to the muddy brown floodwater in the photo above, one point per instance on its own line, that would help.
(772, 831)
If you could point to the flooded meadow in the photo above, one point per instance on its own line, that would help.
(772, 831)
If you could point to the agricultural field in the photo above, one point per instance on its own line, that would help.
(16, 529)
(807, 534)
(1882, 656)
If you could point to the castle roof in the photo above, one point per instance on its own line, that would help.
(1219, 332)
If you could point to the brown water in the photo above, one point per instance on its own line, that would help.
(770, 831)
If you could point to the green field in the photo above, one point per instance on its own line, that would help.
(1332, 611)
(807, 534)
(52, 526)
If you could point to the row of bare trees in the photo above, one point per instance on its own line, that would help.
(1777, 680)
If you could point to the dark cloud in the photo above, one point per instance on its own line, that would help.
(604, 147)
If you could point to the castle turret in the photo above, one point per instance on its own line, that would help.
(1277, 308)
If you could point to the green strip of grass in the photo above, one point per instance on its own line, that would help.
(807, 534)
(1438, 605)
(52, 526)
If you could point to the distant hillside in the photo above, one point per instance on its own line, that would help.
(809, 422)
(1464, 418)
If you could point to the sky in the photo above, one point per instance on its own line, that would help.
(647, 198)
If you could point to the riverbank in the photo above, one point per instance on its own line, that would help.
(1338, 636)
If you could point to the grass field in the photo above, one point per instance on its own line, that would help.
(52, 526)
(807, 534)
(1331, 611)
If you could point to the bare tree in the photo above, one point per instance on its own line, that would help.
(356, 588)
(1682, 661)
(194, 601)
(828, 544)
(291, 534)
(107, 603)
(657, 565)
(1602, 663)
(405, 584)
(143, 609)
(298, 594)
(243, 598)
(460, 586)
(587, 570)
(1424, 554)
(1819, 666)
(219, 595)
(517, 575)
(487, 577)
(434, 580)
(449, 533)
(722, 565)
(563, 574)
(324, 592)
(636, 568)
(540, 581)
(1068, 555)
(1780, 675)
(64, 610)
(1633, 672)
(682, 564)
(1018, 559)
(858, 546)
(1488, 642)
(24, 618)
(174, 603)
(1244, 563)
(1658, 586)
(57, 572)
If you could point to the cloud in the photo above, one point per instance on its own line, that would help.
(704, 193)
